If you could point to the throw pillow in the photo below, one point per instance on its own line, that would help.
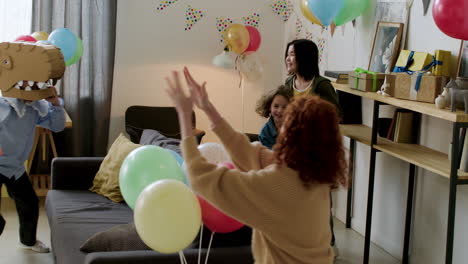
(154, 137)
(118, 238)
(106, 181)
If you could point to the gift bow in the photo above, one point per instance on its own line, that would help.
(426, 68)
(374, 77)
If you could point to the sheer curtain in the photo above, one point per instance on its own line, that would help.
(87, 85)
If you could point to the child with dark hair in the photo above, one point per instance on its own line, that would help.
(282, 194)
(272, 106)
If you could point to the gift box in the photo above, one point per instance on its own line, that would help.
(365, 81)
(420, 60)
(429, 87)
(442, 67)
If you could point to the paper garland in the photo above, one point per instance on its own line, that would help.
(252, 20)
(282, 8)
(222, 24)
(299, 26)
(165, 4)
(321, 46)
(192, 16)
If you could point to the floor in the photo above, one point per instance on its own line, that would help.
(349, 242)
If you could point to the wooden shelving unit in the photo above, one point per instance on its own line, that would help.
(416, 155)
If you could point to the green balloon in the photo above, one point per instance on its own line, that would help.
(350, 10)
(143, 166)
(78, 52)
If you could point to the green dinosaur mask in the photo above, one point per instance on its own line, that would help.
(29, 70)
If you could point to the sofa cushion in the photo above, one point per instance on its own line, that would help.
(117, 238)
(106, 181)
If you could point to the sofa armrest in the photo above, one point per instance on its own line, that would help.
(74, 173)
(233, 255)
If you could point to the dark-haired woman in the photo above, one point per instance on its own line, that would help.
(282, 194)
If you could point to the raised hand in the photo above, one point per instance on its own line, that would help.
(182, 102)
(199, 94)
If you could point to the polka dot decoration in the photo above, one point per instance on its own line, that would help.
(299, 27)
(192, 16)
(252, 20)
(282, 8)
(321, 46)
(165, 4)
(222, 24)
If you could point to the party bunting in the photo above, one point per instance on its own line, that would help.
(193, 15)
(252, 20)
(321, 46)
(299, 26)
(308, 35)
(165, 4)
(282, 8)
(222, 24)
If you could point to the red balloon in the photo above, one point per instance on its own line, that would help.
(255, 39)
(450, 17)
(216, 220)
(26, 38)
(227, 165)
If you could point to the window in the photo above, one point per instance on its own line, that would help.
(15, 19)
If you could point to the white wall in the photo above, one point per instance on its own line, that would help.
(150, 45)
(350, 49)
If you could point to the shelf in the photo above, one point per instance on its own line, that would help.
(360, 133)
(420, 107)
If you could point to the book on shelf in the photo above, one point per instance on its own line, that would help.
(464, 155)
(404, 127)
(337, 74)
(345, 81)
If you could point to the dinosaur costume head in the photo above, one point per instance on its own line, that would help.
(28, 70)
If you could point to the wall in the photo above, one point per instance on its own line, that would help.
(351, 48)
(150, 45)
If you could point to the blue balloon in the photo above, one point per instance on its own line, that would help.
(180, 161)
(325, 10)
(65, 40)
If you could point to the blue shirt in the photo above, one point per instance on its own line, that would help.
(18, 121)
(268, 134)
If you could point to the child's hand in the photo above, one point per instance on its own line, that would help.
(199, 94)
(182, 102)
(54, 99)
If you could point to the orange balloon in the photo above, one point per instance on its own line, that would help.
(237, 38)
(308, 14)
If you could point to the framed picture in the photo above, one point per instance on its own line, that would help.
(386, 46)
(463, 60)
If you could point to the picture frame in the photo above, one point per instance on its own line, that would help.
(462, 66)
(385, 47)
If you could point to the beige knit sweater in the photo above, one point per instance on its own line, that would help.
(290, 222)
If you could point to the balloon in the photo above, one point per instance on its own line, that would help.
(26, 38)
(214, 152)
(167, 216)
(450, 17)
(250, 66)
(237, 38)
(307, 13)
(78, 52)
(350, 10)
(255, 39)
(227, 165)
(325, 10)
(216, 220)
(65, 40)
(40, 35)
(144, 166)
(44, 42)
(176, 155)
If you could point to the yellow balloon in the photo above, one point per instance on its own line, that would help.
(307, 13)
(40, 35)
(237, 38)
(167, 216)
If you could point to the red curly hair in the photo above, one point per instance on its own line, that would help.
(310, 142)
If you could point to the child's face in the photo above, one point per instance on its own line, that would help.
(291, 64)
(278, 105)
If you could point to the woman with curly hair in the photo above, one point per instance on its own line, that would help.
(272, 106)
(282, 194)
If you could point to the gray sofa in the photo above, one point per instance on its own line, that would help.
(75, 214)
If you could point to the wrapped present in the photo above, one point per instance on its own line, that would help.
(428, 89)
(443, 66)
(366, 81)
(413, 61)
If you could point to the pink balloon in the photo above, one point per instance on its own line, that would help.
(26, 38)
(215, 220)
(227, 165)
(255, 39)
(450, 17)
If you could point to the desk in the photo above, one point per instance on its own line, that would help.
(41, 181)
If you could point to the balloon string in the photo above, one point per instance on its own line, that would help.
(181, 259)
(209, 247)
(199, 243)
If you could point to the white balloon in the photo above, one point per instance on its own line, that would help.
(214, 152)
(250, 66)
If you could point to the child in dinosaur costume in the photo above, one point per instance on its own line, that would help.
(28, 72)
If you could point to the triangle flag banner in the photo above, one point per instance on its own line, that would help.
(282, 8)
(222, 24)
(192, 16)
(252, 20)
(165, 4)
(299, 26)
